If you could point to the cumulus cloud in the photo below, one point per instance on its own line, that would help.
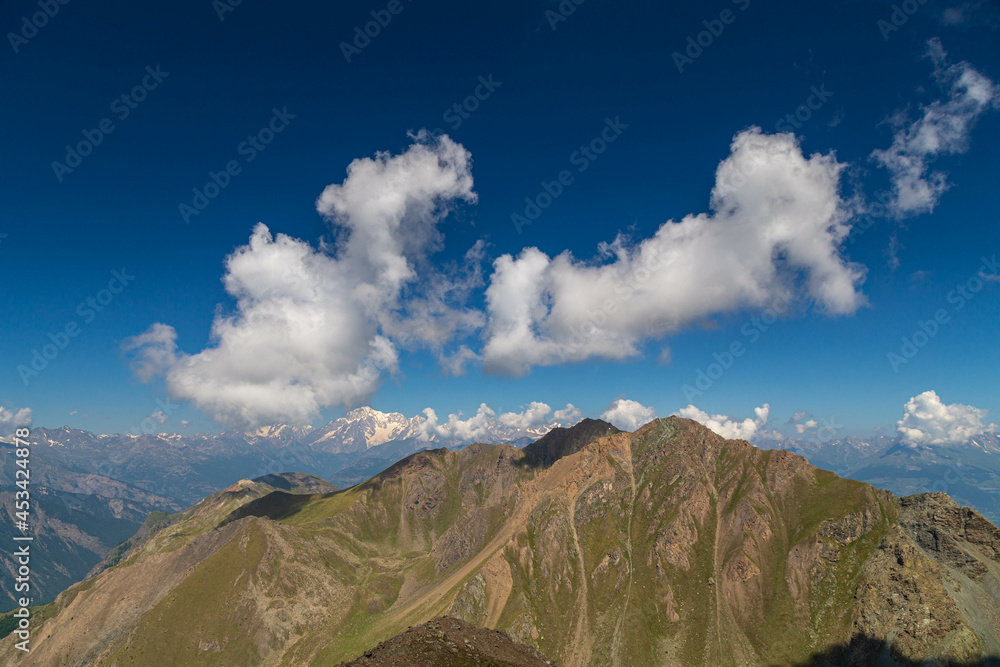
(388, 209)
(568, 415)
(434, 313)
(486, 425)
(777, 225)
(11, 419)
(928, 421)
(628, 415)
(534, 415)
(941, 128)
(806, 426)
(728, 427)
(155, 351)
(319, 327)
(455, 363)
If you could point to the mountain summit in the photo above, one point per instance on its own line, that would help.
(666, 546)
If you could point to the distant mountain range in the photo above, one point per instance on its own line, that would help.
(591, 547)
(92, 492)
(186, 468)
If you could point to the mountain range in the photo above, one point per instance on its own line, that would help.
(92, 492)
(591, 546)
(95, 491)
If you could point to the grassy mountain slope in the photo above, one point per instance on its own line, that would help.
(669, 545)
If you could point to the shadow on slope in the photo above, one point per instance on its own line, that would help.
(276, 505)
(865, 651)
(560, 442)
(297, 482)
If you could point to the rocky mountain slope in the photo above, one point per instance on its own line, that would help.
(667, 546)
(969, 473)
(95, 491)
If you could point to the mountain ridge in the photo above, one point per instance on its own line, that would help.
(969, 472)
(668, 545)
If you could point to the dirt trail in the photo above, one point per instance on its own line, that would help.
(716, 570)
(435, 600)
(616, 641)
(583, 640)
(558, 480)
(717, 574)
(499, 584)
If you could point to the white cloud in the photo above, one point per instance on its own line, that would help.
(318, 327)
(568, 415)
(806, 426)
(155, 351)
(628, 415)
(433, 314)
(942, 128)
(456, 362)
(388, 209)
(11, 419)
(928, 421)
(296, 343)
(777, 225)
(729, 427)
(533, 416)
(486, 425)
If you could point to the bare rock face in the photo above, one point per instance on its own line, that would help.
(959, 537)
(903, 597)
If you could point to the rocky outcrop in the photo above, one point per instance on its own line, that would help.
(449, 642)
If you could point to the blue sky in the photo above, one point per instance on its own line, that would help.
(208, 83)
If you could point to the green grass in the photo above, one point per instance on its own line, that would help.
(321, 508)
(205, 605)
